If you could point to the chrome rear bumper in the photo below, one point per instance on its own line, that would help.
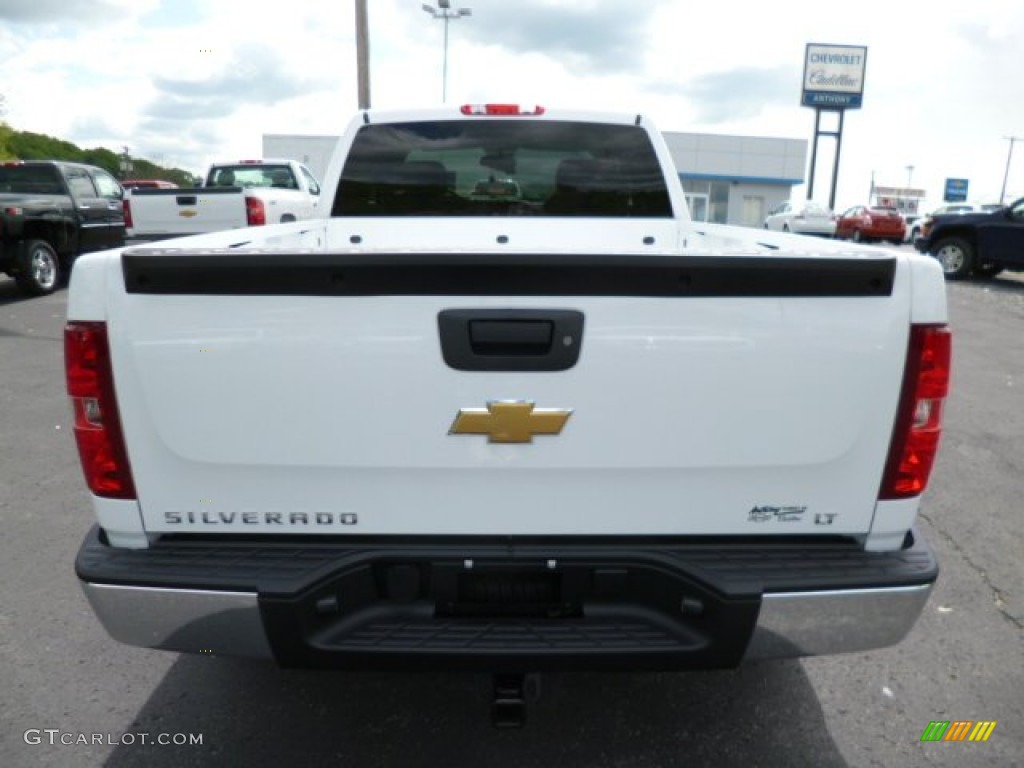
(834, 621)
(229, 623)
(186, 620)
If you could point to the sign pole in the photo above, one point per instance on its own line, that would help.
(835, 165)
(814, 153)
(818, 133)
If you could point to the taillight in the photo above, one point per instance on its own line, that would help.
(255, 212)
(915, 439)
(90, 381)
(127, 206)
(500, 109)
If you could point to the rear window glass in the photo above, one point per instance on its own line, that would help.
(30, 179)
(502, 168)
(250, 175)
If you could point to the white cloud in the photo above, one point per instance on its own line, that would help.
(50, 12)
(200, 81)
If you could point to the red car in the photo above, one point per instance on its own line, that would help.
(862, 224)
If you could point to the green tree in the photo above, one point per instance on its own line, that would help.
(25, 145)
(5, 132)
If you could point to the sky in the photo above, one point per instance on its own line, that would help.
(189, 82)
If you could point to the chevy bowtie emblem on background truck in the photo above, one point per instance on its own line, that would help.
(510, 421)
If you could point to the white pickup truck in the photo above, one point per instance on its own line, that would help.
(234, 195)
(557, 426)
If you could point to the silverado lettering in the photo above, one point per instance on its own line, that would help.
(260, 518)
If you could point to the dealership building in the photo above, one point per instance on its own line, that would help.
(727, 179)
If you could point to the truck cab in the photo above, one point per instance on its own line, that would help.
(288, 189)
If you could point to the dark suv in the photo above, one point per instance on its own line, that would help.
(976, 244)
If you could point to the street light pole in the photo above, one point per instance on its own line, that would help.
(445, 11)
(1006, 174)
(362, 55)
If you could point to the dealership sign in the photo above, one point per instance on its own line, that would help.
(955, 191)
(834, 76)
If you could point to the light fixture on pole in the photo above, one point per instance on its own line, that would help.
(445, 11)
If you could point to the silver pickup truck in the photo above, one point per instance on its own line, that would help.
(558, 426)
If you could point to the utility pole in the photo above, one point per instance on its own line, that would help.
(126, 166)
(445, 11)
(1009, 156)
(362, 54)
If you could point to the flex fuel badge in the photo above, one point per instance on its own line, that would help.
(778, 514)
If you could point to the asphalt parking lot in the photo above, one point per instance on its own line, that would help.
(963, 661)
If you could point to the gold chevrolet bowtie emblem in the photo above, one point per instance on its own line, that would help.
(510, 421)
(188, 213)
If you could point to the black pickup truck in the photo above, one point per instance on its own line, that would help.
(50, 212)
(976, 244)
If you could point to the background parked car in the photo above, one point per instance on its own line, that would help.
(966, 208)
(924, 223)
(50, 212)
(863, 224)
(978, 244)
(808, 218)
(913, 229)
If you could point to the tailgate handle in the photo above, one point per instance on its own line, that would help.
(186, 199)
(510, 339)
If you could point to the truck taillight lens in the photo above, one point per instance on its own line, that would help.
(90, 380)
(127, 206)
(255, 212)
(915, 439)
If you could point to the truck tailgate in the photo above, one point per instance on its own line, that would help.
(179, 212)
(316, 393)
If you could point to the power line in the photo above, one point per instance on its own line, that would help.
(1009, 156)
